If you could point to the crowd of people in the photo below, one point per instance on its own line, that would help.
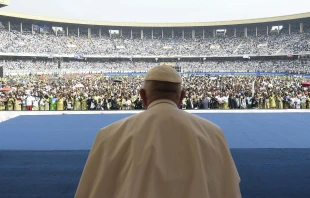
(16, 42)
(84, 84)
(98, 92)
(26, 67)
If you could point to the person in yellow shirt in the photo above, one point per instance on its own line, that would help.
(272, 101)
(308, 102)
(17, 106)
(60, 102)
(10, 102)
(225, 102)
(77, 102)
(279, 100)
(83, 102)
(303, 100)
(2, 105)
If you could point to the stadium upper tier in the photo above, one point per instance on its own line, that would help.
(275, 44)
(285, 35)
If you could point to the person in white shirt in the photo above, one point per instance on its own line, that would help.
(293, 102)
(162, 152)
(35, 105)
(29, 102)
(128, 104)
(297, 102)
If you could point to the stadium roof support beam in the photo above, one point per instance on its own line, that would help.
(267, 31)
(121, 32)
(256, 33)
(162, 32)
(301, 27)
(203, 33)
(9, 26)
(193, 34)
(21, 27)
(32, 32)
(67, 31)
(99, 32)
(214, 33)
(131, 34)
(183, 34)
(141, 34)
(152, 33)
(289, 29)
(78, 31)
(235, 32)
(172, 33)
(245, 32)
(89, 32)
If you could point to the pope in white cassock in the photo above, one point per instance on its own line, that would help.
(163, 152)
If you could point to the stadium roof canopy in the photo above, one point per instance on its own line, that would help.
(4, 3)
(18, 17)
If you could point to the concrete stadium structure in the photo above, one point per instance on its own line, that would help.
(289, 22)
(26, 24)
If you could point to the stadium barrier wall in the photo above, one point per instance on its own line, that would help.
(7, 115)
(213, 73)
(129, 73)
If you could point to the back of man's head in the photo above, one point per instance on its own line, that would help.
(162, 82)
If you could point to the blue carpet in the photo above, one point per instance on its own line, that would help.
(43, 156)
(265, 173)
(77, 132)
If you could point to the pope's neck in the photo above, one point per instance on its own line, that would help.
(158, 101)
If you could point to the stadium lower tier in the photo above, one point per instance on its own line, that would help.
(35, 66)
(44, 155)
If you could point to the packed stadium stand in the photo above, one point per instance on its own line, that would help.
(277, 44)
(210, 46)
(50, 51)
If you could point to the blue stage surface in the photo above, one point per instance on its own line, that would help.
(43, 156)
(77, 132)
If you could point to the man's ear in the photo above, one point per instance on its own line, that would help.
(181, 97)
(143, 97)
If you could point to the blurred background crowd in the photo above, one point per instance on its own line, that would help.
(99, 92)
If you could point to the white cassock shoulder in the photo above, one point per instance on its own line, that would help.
(103, 165)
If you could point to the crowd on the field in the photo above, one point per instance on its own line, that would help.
(54, 67)
(98, 92)
(16, 42)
